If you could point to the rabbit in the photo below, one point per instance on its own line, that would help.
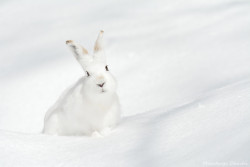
(91, 106)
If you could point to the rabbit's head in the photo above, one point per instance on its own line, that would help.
(98, 79)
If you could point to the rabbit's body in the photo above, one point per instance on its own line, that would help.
(91, 105)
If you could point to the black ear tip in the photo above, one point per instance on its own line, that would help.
(69, 41)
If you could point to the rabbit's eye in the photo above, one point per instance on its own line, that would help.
(106, 67)
(87, 73)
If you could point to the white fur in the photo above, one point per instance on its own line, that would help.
(86, 108)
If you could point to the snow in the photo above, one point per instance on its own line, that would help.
(183, 72)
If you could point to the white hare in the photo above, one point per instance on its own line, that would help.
(91, 106)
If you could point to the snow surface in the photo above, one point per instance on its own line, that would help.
(183, 69)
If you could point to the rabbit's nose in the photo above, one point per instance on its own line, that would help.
(101, 85)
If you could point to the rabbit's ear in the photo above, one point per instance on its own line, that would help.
(99, 48)
(80, 53)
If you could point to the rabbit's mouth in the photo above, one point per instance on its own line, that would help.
(103, 91)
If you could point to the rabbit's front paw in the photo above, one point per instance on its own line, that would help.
(106, 131)
(96, 134)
